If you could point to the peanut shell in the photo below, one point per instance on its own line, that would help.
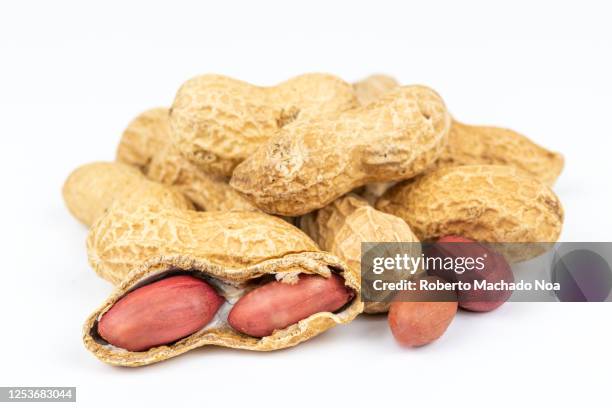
(492, 145)
(343, 225)
(128, 235)
(210, 193)
(146, 144)
(484, 203)
(144, 137)
(311, 163)
(229, 275)
(372, 88)
(368, 90)
(218, 121)
(92, 188)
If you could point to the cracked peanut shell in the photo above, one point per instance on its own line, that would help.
(218, 121)
(310, 163)
(126, 237)
(232, 275)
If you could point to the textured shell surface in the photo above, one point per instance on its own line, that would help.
(492, 145)
(144, 137)
(469, 144)
(146, 144)
(208, 192)
(487, 203)
(90, 190)
(343, 225)
(218, 121)
(312, 162)
(368, 90)
(223, 278)
(128, 235)
(372, 88)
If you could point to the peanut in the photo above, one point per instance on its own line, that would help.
(478, 144)
(343, 225)
(316, 277)
(482, 203)
(160, 313)
(92, 189)
(218, 121)
(416, 321)
(278, 305)
(310, 163)
(496, 269)
(146, 144)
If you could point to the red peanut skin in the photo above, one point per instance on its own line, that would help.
(160, 313)
(418, 317)
(496, 270)
(277, 305)
(416, 324)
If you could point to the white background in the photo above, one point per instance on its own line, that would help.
(74, 74)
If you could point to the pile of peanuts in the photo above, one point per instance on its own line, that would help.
(236, 216)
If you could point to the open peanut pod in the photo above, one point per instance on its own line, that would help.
(254, 281)
(233, 284)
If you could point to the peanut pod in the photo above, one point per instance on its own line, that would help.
(343, 225)
(144, 137)
(483, 203)
(218, 121)
(146, 144)
(92, 189)
(232, 278)
(311, 163)
(493, 145)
